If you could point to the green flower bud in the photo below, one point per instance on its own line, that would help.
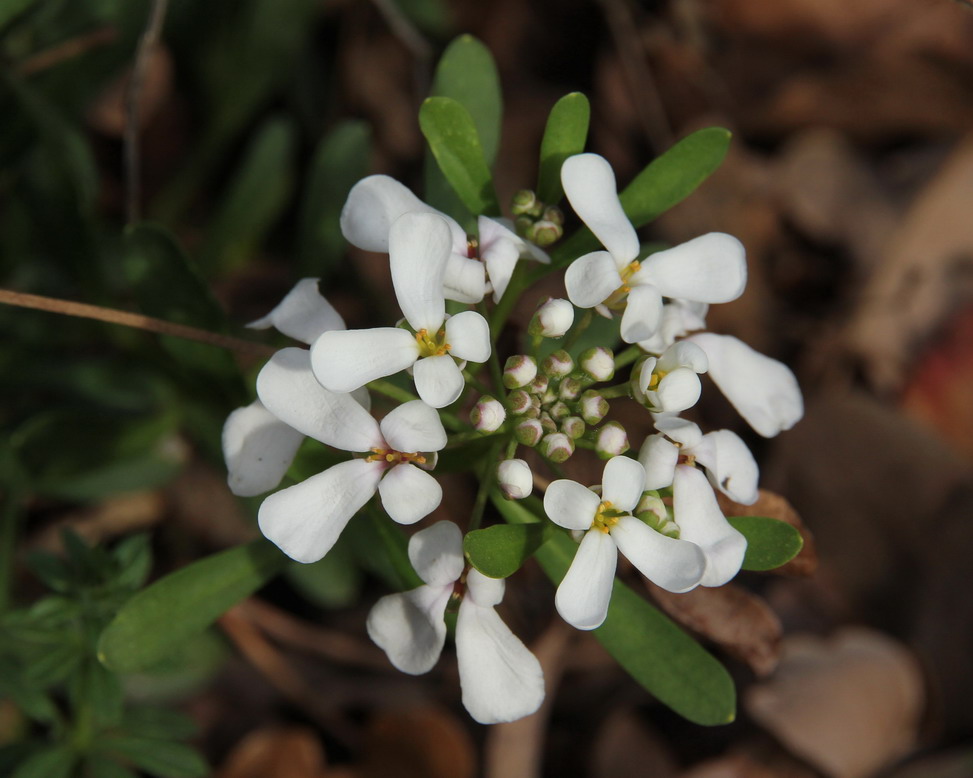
(598, 363)
(573, 426)
(558, 364)
(518, 402)
(488, 414)
(556, 447)
(554, 215)
(547, 423)
(523, 202)
(559, 410)
(529, 432)
(654, 512)
(519, 371)
(569, 388)
(538, 387)
(552, 319)
(544, 233)
(612, 441)
(594, 407)
(515, 479)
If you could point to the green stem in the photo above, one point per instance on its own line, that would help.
(393, 392)
(481, 387)
(619, 390)
(463, 437)
(487, 478)
(628, 356)
(511, 448)
(579, 326)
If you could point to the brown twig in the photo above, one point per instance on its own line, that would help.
(148, 40)
(135, 320)
(66, 50)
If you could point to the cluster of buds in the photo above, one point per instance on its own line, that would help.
(539, 223)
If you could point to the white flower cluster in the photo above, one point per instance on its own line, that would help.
(660, 511)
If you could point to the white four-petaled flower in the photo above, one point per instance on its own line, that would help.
(501, 679)
(670, 383)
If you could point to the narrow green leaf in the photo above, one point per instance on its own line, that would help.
(499, 551)
(158, 723)
(770, 543)
(340, 160)
(182, 604)
(651, 647)
(564, 136)
(382, 548)
(332, 582)
(11, 9)
(99, 766)
(158, 757)
(56, 762)
(452, 137)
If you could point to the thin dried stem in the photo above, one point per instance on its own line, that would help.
(66, 50)
(135, 320)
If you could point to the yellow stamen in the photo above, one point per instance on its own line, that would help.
(606, 517)
(615, 299)
(432, 345)
(393, 457)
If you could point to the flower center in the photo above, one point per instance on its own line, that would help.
(432, 345)
(392, 457)
(472, 247)
(606, 517)
(686, 459)
(616, 297)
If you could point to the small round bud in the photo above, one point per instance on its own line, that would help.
(522, 224)
(548, 424)
(523, 202)
(539, 385)
(553, 214)
(598, 363)
(529, 432)
(544, 233)
(559, 410)
(552, 318)
(653, 512)
(573, 426)
(569, 388)
(519, 371)
(515, 479)
(488, 414)
(558, 364)
(518, 402)
(548, 397)
(556, 447)
(612, 441)
(594, 407)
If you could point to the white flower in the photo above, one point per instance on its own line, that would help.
(501, 679)
(376, 202)
(679, 317)
(305, 520)
(708, 269)
(419, 246)
(764, 391)
(515, 479)
(303, 314)
(609, 526)
(670, 383)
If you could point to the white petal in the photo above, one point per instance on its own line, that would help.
(468, 336)
(419, 248)
(702, 522)
(679, 390)
(682, 431)
(288, 389)
(583, 596)
(730, 465)
(500, 678)
(591, 279)
(303, 314)
(484, 591)
(675, 565)
(589, 184)
(763, 390)
(659, 457)
(685, 353)
(439, 381)
(436, 553)
(258, 449)
(345, 361)
(413, 427)
(570, 505)
(361, 396)
(499, 249)
(409, 494)
(465, 279)
(623, 483)
(709, 269)
(409, 627)
(373, 204)
(305, 520)
(643, 312)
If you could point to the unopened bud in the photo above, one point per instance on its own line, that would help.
(594, 407)
(558, 364)
(569, 388)
(573, 426)
(544, 233)
(539, 385)
(553, 214)
(529, 432)
(556, 447)
(522, 225)
(612, 440)
(519, 371)
(559, 410)
(653, 512)
(598, 363)
(523, 202)
(515, 479)
(547, 423)
(552, 319)
(518, 402)
(488, 414)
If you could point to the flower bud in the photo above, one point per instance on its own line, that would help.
(539, 385)
(573, 426)
(612, 441)
(598, 363)
(547, 423)
(488, 414)
(519, 371)
(558, 364)
(515, 479)
(518, 402)
(559, 410)
(557, 447)
(594, 407)
(524, 202)
(544, 233)
(522, 224)
(569, 388)
(553, 214)
(529, 432)
(552, 319)
(653, 512)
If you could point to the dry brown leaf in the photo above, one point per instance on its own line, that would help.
(740, 622)
(777, 507)
(747, 766)
(848, 705)
(293, 752)
(624, 747)
(418, 742)
(108, 519)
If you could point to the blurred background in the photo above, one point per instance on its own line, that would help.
(849, 180)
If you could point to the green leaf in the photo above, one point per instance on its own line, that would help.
(254, 198)
(770, 543)
(564, 136)
(652, 648)
(54, 762)
(499, 551)
(158, 723)
(174, 608)
(11, 9)
(163, 758)
(453, 140)
(332, 582)
(382, 548)
(134, 558)
(340, 160)
(99, 766)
